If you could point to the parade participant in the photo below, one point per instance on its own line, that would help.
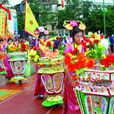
(77, 36)
(39, 87)
(9, 73)
(57, 42)
(2, 56)
(70, 104)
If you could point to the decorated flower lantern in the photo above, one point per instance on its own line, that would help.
(2, 57)
(17, 62)
(52, 76)
(95, 91)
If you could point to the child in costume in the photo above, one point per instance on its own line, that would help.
(39, 87)
(57, 42)
(70, 104)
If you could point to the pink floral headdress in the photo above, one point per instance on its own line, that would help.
(70, 24)
(41, 29)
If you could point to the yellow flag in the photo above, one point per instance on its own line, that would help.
(30, 21)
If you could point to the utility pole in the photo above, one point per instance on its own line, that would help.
(104, 17)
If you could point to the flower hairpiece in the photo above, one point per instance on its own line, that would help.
(41, 30)
(70, 24)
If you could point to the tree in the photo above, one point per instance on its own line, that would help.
(77, 10)
(95, 20)
(69, 13)
(90, 14)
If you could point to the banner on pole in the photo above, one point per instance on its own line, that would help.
(30, 21)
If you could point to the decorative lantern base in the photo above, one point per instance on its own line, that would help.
(3, 72)
(18, 79)
(52, 101)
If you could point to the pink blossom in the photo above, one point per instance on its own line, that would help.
(73, 23)
(36, 32)
(41, 29)
(46, 32)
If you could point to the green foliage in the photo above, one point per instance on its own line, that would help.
(96, 52)
(84, 11)
(20, 19)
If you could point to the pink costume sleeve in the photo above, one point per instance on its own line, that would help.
(68, 49)
(83, 50)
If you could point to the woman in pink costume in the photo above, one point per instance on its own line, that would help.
(2, 57)
(70, 104)
(9, 73)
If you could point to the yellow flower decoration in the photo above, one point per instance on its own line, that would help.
(32, 52)
(69, 54)
(103, 56)
(68, 27)
(82, 26)
(91, 39)
(36, 58)
(90, 34)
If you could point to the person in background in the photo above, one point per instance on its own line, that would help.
(57, 42)
(106, 43)
(111, 39)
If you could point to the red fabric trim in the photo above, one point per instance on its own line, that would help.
(7, 10)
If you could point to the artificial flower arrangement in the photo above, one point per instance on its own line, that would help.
(108, 61)
(93, 47)
(62, 48)
(34, 54)
(13, 48)
(20, 47)
(24, 46)
(91, 39)
(50, 54)
(50, 44)
(96, 52)
(78, 62)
